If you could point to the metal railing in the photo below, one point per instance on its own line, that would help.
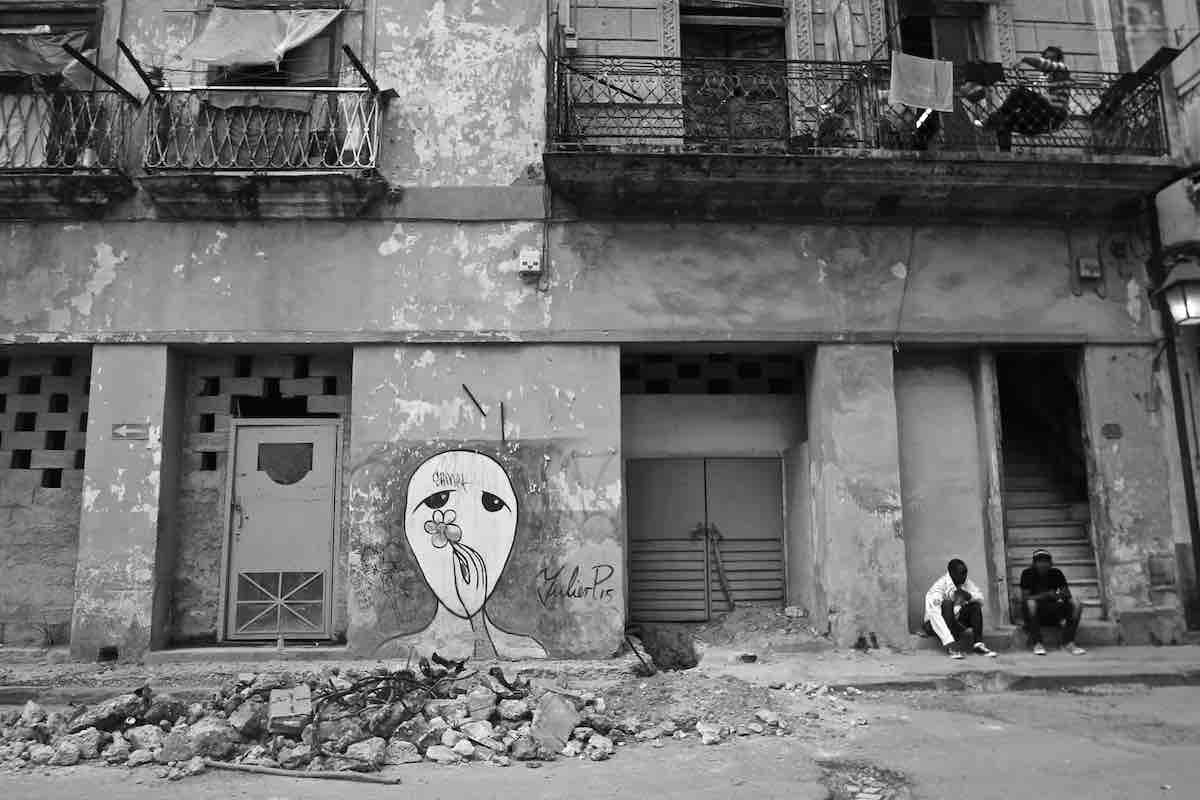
(262, 129)
(804, 106)
(63, 130)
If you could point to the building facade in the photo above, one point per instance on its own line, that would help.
(490, 328)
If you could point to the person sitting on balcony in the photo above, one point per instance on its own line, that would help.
(952, 605)
(1046, 600)
(1030, 112)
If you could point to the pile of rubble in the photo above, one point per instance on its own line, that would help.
(347, 721)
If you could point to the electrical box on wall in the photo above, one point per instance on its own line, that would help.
(530, 264)
(1089, 268)
(570, 38)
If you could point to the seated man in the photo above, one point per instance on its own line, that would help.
(1030, 112)
(1046, 600)
(952, 605)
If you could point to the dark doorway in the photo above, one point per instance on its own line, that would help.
(1045, 470)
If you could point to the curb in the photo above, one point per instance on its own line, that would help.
(1008, 681)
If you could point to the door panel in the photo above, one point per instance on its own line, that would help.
(282, 528)
(745, 504)
(666, 565)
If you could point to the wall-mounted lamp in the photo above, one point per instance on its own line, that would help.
(1181, 290)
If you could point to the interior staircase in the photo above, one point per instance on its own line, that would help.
(1041, 510)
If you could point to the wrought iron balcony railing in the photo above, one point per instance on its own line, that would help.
(63, 130)
(803, 106)
(262, 129)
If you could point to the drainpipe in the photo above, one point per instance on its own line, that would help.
(1157, 273)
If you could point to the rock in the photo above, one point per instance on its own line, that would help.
(553, 721)
(369, 753)
(66, 754)
(741, 730)
(756, 727)
(453, 711)
(653, 732)
(514, 710)
(250, 718)
(602, 723)
(709, 733)
(212, 737)
(31, 714)
(599, 747)
(118, 750)
(767, 717)
(341, 733)
(400, 751)
(477, 730)
(193, 766)
(89, 741)
(139, 757)
(109, 715)
(25, 733)
(295, 757)
(145, 737)
(175, 747)
(668, 727)
(464, 748)
(481, 703)
(582, 733)
(195, 712)
(671, 646)
(572, 749)
(164, 708)
(442, 755)
(40, 754)
(259, 756)
(384, 721)
(451, 737)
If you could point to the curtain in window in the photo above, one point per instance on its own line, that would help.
(236, 36)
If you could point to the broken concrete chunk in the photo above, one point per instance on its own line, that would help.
(41, 754)
(31, 714)
(289, 710)
(709, 733)
(481, 703)
(175, 747)
(767, 717)
(250, 718)
(139, 757)
(400, 752)
(212, 737)
(369, 753)
(163, 708)
(514, 710)
(89, 741)
(145, 737)
(553, 721)
(442, 755)
(109, 715)
(478, 730)
(464, 748)
(118, 750)
(66, 754)
(295, 757)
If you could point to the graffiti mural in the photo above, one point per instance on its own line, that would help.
(460, 523)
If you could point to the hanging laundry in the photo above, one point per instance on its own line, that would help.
(922, 82)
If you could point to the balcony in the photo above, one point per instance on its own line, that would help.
(722, 138)
(263, 152)
(61, 153)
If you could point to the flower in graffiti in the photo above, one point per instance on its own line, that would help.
(442, 528)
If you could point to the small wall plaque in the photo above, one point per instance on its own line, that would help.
(1111, 430)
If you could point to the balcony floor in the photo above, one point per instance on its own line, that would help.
(600, 182)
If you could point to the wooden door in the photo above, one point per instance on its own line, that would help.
(282, 531)
(734, 84)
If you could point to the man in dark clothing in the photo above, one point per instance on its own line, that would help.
(1046, 600)
(1030, 112)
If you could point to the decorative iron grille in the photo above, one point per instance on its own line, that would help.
(262, 129)
(718, 104)
(63, 130)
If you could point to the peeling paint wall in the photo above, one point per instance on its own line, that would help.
(1129, 479)
(857, 529)
(561, 453)
(336, 280)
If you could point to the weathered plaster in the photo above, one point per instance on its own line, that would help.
(471, 80)
(605, 282)
(857, 530)
(116, 574)
(562, 454)
(1131, 509)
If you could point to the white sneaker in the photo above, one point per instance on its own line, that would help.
(1074, 649)
(955, 654)
(984, 650)
(1039, 649)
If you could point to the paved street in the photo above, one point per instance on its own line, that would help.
(1123, 743)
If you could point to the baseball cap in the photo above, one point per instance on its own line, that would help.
(1042, 553)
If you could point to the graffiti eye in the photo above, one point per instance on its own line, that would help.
(437, 499)
(493, 503)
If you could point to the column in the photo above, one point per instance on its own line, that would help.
(121, 579)
(858, 541)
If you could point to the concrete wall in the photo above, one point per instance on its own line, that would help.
(1070, 24)
(939, 471)
(857, 530)
(675, 426)
(1131, 509)
(636, 282)
(560, 451)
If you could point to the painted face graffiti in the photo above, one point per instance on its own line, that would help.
(461, 529)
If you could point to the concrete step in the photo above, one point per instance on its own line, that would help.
(1034, 497)
(999, 639)
(1022, 555)
(1034, 533)
(1029, 481)
(1048, 512)
(1092, 633)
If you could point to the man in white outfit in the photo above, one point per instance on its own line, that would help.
(953, 604)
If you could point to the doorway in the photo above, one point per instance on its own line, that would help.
(1045, 471)
(283, 492)
(704, 535)
(735, 81)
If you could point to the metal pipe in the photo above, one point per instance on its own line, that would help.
(360, 69)
(102, 75)
(137, 66)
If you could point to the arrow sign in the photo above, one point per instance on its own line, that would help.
(131, 430)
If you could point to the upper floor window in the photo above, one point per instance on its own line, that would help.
(31, 53)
